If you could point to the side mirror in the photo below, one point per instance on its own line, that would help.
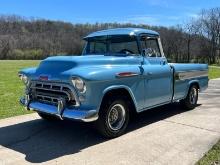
(149, 52)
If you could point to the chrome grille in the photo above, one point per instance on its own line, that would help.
(51, 92)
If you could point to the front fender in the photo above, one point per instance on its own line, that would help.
(113, 87)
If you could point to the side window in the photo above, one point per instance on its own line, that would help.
(97, 47)
(150, 47)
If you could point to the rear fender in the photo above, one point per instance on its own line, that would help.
(190, 83)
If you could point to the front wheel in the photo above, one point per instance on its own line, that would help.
(113, 118)
(190, 101)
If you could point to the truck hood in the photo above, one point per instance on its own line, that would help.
(60, 64)
(62, 67)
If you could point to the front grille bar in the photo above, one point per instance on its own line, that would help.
(47, 99)
(70, 97)
(66, 89)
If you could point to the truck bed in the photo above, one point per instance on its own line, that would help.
(186, 74)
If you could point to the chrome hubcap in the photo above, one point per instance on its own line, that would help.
(193, 96)
(116, 117)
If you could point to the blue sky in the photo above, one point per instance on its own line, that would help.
(152, 12)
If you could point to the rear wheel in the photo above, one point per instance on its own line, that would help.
(113, 118)
(46, 116)
(190, 101)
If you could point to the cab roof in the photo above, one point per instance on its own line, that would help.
(123, 31)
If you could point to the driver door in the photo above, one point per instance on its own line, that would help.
(157, 73)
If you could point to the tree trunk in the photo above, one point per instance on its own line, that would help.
(188, 50)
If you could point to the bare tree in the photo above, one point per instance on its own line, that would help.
(210, 20)
(22, 38)
(192, 29)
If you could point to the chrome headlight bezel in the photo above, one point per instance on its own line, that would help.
(23, 78)
(79, 84)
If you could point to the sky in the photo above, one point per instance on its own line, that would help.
(151, 12)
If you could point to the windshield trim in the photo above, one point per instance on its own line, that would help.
(110, 53)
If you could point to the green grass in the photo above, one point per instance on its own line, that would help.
(214, 72)
(11, 88)
(216, 65)
(212, 157)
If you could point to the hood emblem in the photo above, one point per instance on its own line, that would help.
(44, 78)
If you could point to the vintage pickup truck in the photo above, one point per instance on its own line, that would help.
(121, 71)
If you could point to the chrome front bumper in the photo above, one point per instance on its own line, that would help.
(64, 113)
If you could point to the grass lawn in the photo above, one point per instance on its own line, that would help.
(11, 88)
(212, 157)
(214, 72)
(216, 65)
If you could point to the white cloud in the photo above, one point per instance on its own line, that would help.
(142, 19)
(192, 15)
(153, 19)
(148, 19)
(163, 3)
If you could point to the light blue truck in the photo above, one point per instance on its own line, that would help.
(121, 71)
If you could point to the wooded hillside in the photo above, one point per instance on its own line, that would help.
(21, 38)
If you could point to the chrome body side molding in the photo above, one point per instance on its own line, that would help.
(184, 75)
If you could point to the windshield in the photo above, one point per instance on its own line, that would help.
(115, 44)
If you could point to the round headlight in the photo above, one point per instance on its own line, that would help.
(79, 84)
(23, 78)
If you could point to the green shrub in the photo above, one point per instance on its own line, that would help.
(30, 54)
